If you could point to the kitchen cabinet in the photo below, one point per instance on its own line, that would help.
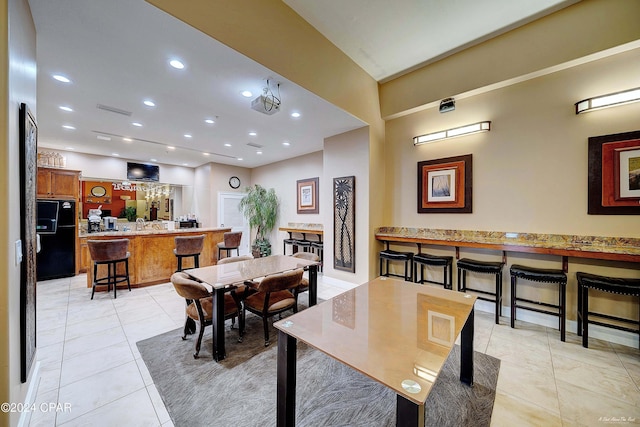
(58, 183)
(84, 257)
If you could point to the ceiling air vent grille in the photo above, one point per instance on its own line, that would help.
(254, 145)
(114, 110)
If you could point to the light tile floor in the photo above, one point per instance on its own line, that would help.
(89, 359)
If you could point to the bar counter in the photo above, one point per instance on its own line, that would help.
(152, 260)
(594, 247)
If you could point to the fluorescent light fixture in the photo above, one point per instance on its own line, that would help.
(452, 133)
(610, 100)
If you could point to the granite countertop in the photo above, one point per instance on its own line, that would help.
(565, 242)
(150, 231)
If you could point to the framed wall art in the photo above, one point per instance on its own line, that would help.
(307, 195)
(444, 185)
(614, 174)
(28, 177)
(344, 223)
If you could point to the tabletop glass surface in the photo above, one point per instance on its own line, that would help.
(398, 333)
(227, 274)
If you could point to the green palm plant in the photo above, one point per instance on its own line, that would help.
(260, 207)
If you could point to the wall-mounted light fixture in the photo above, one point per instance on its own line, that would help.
(451, 133)
(610, 100)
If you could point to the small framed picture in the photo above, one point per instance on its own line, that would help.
(307, 195)
(444, 185)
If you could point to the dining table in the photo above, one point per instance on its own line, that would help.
(227, 277)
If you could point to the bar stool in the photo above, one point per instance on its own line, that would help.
(614, 285)
(434, 261)
(188, 246)
(295, 243)
(483, 267)
(391, 255)
(109, 253)
(543, 275)
(318, 249)
(231, 241)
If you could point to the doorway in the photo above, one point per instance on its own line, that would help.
(229, 215)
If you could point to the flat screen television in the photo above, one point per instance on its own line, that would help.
(142, 172)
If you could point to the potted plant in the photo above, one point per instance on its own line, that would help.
(260, 207)
(130, 213)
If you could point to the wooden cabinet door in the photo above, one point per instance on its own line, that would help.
(64, 184)
(43, 183)
(85, 257)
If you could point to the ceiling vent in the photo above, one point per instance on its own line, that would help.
(254, 145)
(114, 110)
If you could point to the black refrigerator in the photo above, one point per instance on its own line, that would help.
(56, 226)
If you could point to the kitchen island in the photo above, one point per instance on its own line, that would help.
(152, 260)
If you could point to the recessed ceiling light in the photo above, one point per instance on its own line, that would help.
(61, 78)
(205, 154)
(240, 158)
(153, 160)
(137, 124)
(247, 94)
(185, 164)
(252, 133)
(170, 147)
(286, 144)
(149, 103)
(258, 152)
(127, 139)
(227, 145)
(295, 115)
(187, 135)
(64, 108)
(68, 127)
(69, 148)
(176, 64)
(115, 154)
(104, 138)
(209, 121)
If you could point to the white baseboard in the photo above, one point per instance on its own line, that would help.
(595, 331)
(30, 398)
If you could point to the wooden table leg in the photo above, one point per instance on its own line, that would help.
(286, 381)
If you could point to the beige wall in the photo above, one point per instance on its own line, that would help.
(17, 48)
(282, 177)
(530, 170)
(210, 180)
(345, 155)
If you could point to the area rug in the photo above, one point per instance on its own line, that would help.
(241, 390)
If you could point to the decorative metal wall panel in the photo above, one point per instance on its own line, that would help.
(344, 223)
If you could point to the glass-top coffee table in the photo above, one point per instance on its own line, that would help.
(397, 333)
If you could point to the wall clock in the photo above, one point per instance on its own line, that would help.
(234, 182)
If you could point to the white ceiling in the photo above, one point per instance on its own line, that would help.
(116, 53)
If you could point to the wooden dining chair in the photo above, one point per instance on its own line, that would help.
(274, 296)
(200, 306)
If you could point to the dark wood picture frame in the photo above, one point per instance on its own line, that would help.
(604, 184)
(344, 223)
(28, 206)
(445, 185)
(307, 196)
